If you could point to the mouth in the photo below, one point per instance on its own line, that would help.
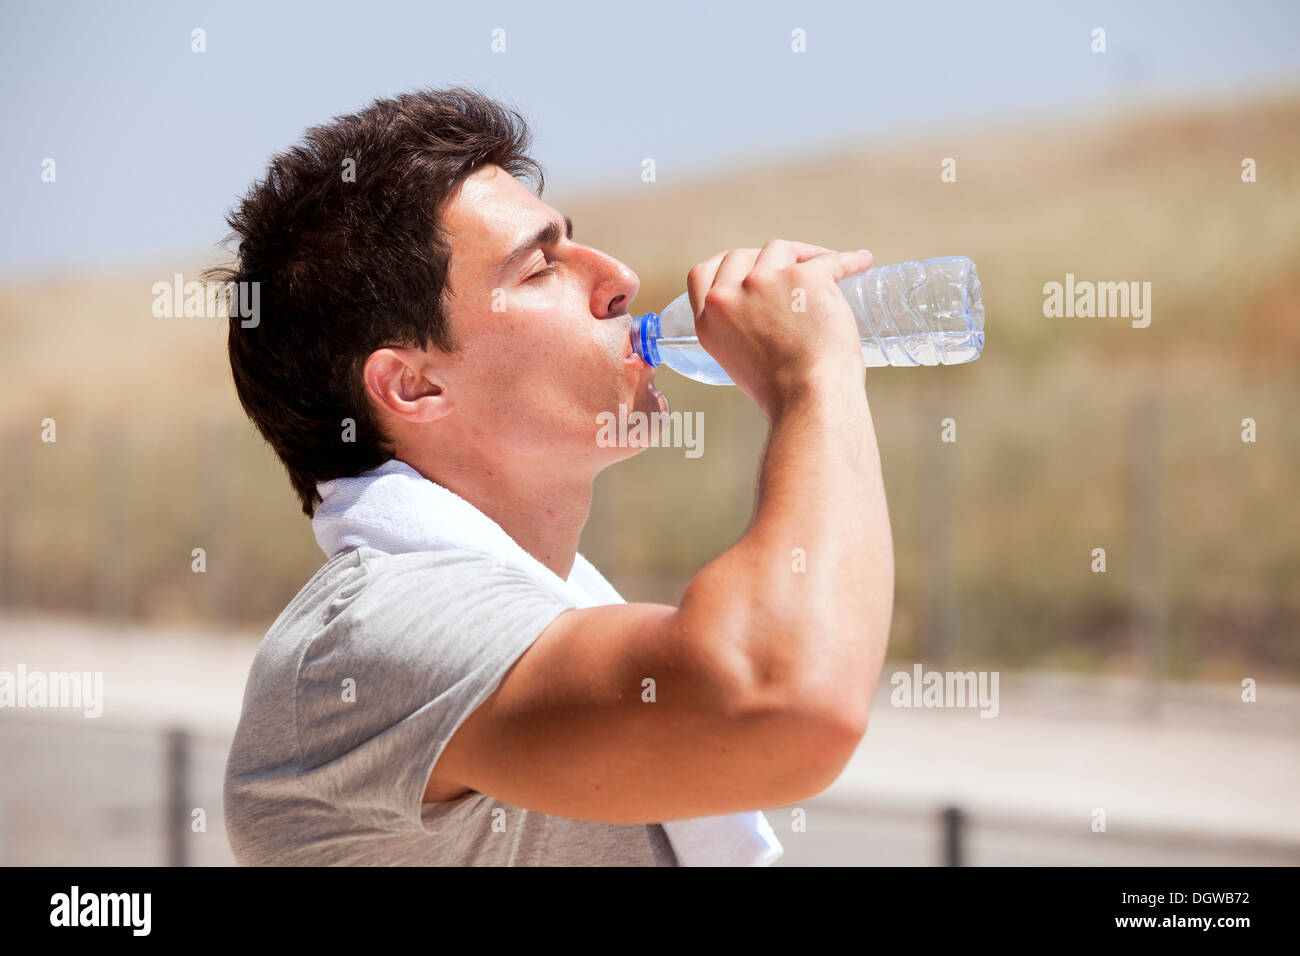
(629, 354)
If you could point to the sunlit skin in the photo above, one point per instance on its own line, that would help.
(510, 421)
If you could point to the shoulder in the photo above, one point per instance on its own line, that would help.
(450, 585)
(413, 626)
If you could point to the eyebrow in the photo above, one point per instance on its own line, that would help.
(548, 235)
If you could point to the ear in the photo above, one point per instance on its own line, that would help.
(407, 384)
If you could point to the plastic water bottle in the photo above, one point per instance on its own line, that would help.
(914, 313)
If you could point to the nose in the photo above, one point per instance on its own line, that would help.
(614, 288)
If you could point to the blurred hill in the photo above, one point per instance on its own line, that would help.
(154, 457)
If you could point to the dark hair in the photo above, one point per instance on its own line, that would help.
(346, 265)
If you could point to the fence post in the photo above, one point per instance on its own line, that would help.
(113, 557)
(953, 823)
(178, 812)
(6, 457)
(220, 523)
(935, 462)
(1147, 574)
(19, 567)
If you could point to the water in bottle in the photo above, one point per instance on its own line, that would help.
(913, 313)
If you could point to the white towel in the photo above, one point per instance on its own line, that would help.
(395, 509)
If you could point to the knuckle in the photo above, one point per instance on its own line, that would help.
(700, 268)
(718, 300)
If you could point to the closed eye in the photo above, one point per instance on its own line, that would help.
(537, 275)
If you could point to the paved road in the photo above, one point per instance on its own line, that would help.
(1188, 776)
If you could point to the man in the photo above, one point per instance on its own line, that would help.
(426, 317)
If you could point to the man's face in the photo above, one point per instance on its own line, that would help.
(542, 328)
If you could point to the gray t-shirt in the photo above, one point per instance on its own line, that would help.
(353, 694)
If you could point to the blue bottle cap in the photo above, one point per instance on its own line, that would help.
(645, 337)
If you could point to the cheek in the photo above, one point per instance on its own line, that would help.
(512, 353)
(537, 379)
(526, 388)
(572, 365)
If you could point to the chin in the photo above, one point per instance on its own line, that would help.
(639, 401)
(649, 399)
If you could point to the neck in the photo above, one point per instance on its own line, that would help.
(543, 512)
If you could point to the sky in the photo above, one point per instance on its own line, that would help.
(154, 142)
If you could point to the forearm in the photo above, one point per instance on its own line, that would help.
(809, 588)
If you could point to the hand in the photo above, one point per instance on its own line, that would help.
(775, 319)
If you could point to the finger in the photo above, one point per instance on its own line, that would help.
(736, 264)
(839, 265)
(700, 280)
(782, 252)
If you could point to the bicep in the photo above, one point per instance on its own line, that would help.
(620, 714)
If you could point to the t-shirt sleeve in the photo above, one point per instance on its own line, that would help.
(409, 650)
